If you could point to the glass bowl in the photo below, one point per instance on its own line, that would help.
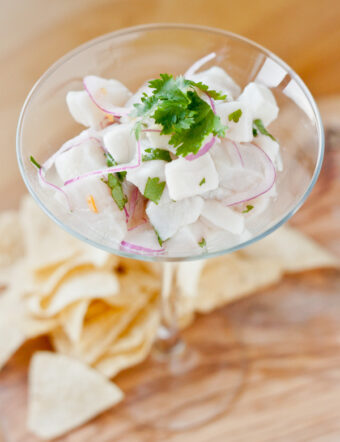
(137, 54)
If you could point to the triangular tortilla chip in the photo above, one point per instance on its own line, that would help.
(64, 393)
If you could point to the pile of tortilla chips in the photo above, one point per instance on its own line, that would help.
(101, 311)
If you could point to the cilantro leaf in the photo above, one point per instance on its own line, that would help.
(235, 116)
(204, 88)
(35, 162)
(255, 133)
(202, 181)
(159, 239)
(248, 208)
(154, 189)
(202, 243)
(156, 154)
(260, 127)
(110, 161)
(116, 190)
(176, 106)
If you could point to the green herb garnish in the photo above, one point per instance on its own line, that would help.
(117, 193)
(260, 127)
(254, 132)
(248, 208)
(156, 154)
(202, 181)
(154, 189)
(111, 162)
(202, 243)
(160, 241)
(177, 107)
(235, 116)
(35, 162)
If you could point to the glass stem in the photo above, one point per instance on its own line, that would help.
(168, 340)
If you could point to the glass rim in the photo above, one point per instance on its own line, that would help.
(156, 27)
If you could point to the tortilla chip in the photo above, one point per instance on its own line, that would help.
(72, 319)
(64, 393)
(294, 251)
(78, 284)
(16, 325)
(133, 345)
(228, 278)
(11, 238)
(98, 332)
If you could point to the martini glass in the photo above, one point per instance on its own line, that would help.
(188, 390)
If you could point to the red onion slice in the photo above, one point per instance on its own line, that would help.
(238, 153)
(137, 248)
(199, 63)
(101, 100)
(105, 172)
(203, 150)
(267, 169)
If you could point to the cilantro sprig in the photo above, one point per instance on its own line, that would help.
(259, 126)
(156, 154)
(35, 162)
(114, 182)
(176, 105)
(235, 116)
(154, 189)
(248, 208)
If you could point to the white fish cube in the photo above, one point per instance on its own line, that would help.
(271, 148)
(83, 110)
(149, 169)
(223, 217)
(184, 243)
(114, 91)
(86, 156)
(189, 178)
(120, 141)
(168, 216)
(217, 79)
(260, 101)
(143, 236)
(109, 221)
(237, 131)
(158, 141)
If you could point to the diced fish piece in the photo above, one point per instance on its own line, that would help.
(144, 236)
(183, 243)
(109, 91)
(158, 141)
(223, 217)
(149, 169)
(271, 148)
(217, 79)
(260, 101)
(83, 110)
(120, 141)
(168, 216)
(189, 178)
(86, 156)
(243, 129)
(108, 221)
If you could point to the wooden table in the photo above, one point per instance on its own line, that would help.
(290, 333)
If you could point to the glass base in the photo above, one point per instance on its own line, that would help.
(190, 385)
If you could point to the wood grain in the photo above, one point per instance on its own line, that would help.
(289, 334)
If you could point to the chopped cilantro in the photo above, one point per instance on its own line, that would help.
(159, 239)
(235, 116)
(177, 107)
(202, 181)
(156, 154)
(154, 189)
(202, 243)
(248, 208)
(117, 193)
(35, 162)
(260, 127)
(110, 161)
(254, 132)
